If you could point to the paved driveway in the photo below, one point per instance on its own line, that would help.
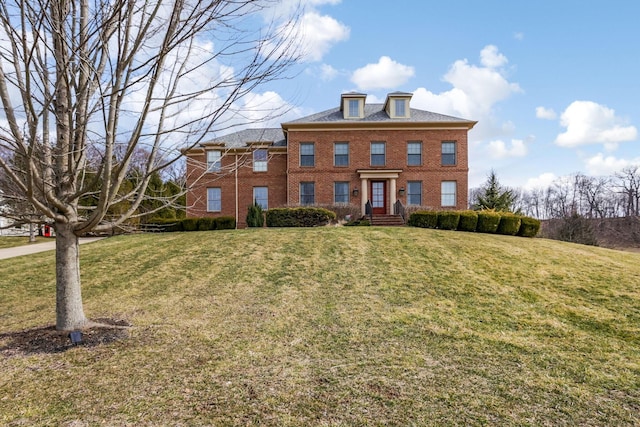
(37, 247)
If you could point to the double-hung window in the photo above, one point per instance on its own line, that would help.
(414, 153)
(261, 196)
(378, 151)
(260, 160)
(448, 193)
(341, 154)
(340, 192)
(448, 153)
(400, 107)
(414, 193)
(307, 154)
(307, 193)
(214, 200)
(354, 108)
(213, 161)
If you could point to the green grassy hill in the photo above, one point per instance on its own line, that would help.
(332, 326)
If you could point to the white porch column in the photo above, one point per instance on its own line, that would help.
(392, 194)
(364, 190)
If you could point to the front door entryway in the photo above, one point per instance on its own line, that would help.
(379, 197)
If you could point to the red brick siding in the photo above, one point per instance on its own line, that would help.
(431, 172)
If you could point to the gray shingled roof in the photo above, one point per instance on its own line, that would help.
(241, 138)
(376, 113)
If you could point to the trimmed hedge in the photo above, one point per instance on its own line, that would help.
(509, 224)
(488, 222)
(448, 220)
(423, 219)
(529, 227)
(468, 221)
(193, 224)
(299, 217)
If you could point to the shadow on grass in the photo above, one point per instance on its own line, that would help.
(47, 340)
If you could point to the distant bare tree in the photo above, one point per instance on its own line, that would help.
(112, 77)
(629, 188)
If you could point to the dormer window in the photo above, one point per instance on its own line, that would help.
(397, 105)
(354, 108)
(400, 107)
(352, 105)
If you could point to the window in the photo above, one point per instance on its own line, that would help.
(400, 107)
(261, 196)
(214, 200)
(378, 154)
(448, 193)
(354, 108)
(260, 160)
(414, 153)
(341, 154)
(448, 153)
(307, 193)
(341, 192)
(414, 193)
(307, 154)
(213, 161)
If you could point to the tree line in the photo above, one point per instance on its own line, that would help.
(613, 196)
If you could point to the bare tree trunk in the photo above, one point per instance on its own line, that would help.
(69, 311)
(32, 233)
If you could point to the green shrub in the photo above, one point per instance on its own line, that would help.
(224, 223)
(255, 217)
(358, 222)
(190, 224)
(206, 224)
(423, 219)
(509, 224)
(299, 217)
(529, 227)
(448, 220)
(468, 221)
(488, 222)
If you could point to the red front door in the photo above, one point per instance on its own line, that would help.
(379, 197)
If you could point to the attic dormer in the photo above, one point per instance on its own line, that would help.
(352, 105)
(397, 105)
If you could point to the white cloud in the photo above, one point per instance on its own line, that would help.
(518, 36)
(490, 57)
(600, 165)
(385, 74)
(541, 181)
(498, 149)
(546, 113)
(327, 72)
(319, 33)
(475, 91)
(590, 123)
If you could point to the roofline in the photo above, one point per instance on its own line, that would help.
(388, 125)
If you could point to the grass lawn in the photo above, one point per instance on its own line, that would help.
(332, 327)
(13, 241)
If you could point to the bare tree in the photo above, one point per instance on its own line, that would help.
(629, 188)
(85, 75)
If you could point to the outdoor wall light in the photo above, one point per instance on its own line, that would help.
(401, 191)
(75, 337)
(355, 192)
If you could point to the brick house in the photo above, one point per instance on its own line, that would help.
(352, 154)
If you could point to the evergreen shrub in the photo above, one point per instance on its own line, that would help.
(423, 219)
(509, 224)
(224, 223)
(529, 227)
(206, 224)
(488, 222)
(468, 221)
(190, 224)
(255, 217)
(448, 220)
(299, 217)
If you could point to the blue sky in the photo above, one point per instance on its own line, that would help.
(553, 84)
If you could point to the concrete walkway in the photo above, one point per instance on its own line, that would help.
(38, 247)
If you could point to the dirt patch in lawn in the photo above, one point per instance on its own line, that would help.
(47, 339)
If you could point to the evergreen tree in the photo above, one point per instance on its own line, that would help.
(493, 196)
